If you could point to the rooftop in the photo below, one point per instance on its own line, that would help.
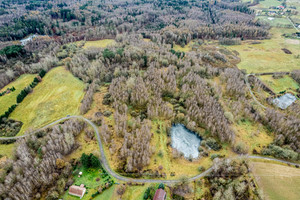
(160, 194)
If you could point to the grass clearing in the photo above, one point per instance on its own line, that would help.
(7, 149)
(267, 3)
(281, 84)
(268, 56)
(277, 181)
(9, 99)
(275, 21)
(58, 95)
(252, 135)
(99, 43)
(186, 48)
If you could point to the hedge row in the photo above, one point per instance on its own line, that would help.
(23, 94)
(4, 92)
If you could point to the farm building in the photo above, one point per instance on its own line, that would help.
(160, 194)
(78, 191)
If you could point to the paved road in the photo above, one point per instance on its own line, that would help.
(106, 166)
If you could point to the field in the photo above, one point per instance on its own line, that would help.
(99, 43)
(59, 94)
(276, 21)
(9, 99)
(268, 56)
(252, 135)
(278, 85)
(267, 3)
(277, 181)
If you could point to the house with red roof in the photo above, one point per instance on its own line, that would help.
(160, 194)
(78, 191)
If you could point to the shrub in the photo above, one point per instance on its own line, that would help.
(213, 144)
(201, 169)
(279, 152)
(213, 156)
(107, 113)
(161, 186)
(230, 41)
(240, 148)
(13, 51)
(108, 54)
(89, 161)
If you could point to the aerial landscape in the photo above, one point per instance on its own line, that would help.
(150, 99)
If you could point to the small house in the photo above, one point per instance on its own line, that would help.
(280, 7)
(78, 191)
(160, 194)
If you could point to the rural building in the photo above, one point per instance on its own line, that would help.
(160, 194)
(280, 7)
(78, 191)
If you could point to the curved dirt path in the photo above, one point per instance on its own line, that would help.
(106, 166)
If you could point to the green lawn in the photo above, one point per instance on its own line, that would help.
(276, 21)
(9, 99)
(281, 84)
(59, 94)
(268, 56)
(89, 179)
(277, 182)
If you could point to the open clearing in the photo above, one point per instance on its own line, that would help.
(58, 95)
(186, 48)
(281, 84)
(254, 136)
(276, 21)
(267, 3)
(99, 43)
(268, 56)
(278, 182)
(9, 99)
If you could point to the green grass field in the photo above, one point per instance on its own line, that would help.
(99, 43)
(58, 95)
(281, 84)
(267, 3)
(277, 182)
(252, 135)
(275, 21)
(9, 99)
(268, 56)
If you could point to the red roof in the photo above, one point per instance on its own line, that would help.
(77, 191)
(160, 194)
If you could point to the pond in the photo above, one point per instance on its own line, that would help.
(185, 141)
(284, 101)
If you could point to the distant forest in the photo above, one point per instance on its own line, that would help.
(177, 21)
